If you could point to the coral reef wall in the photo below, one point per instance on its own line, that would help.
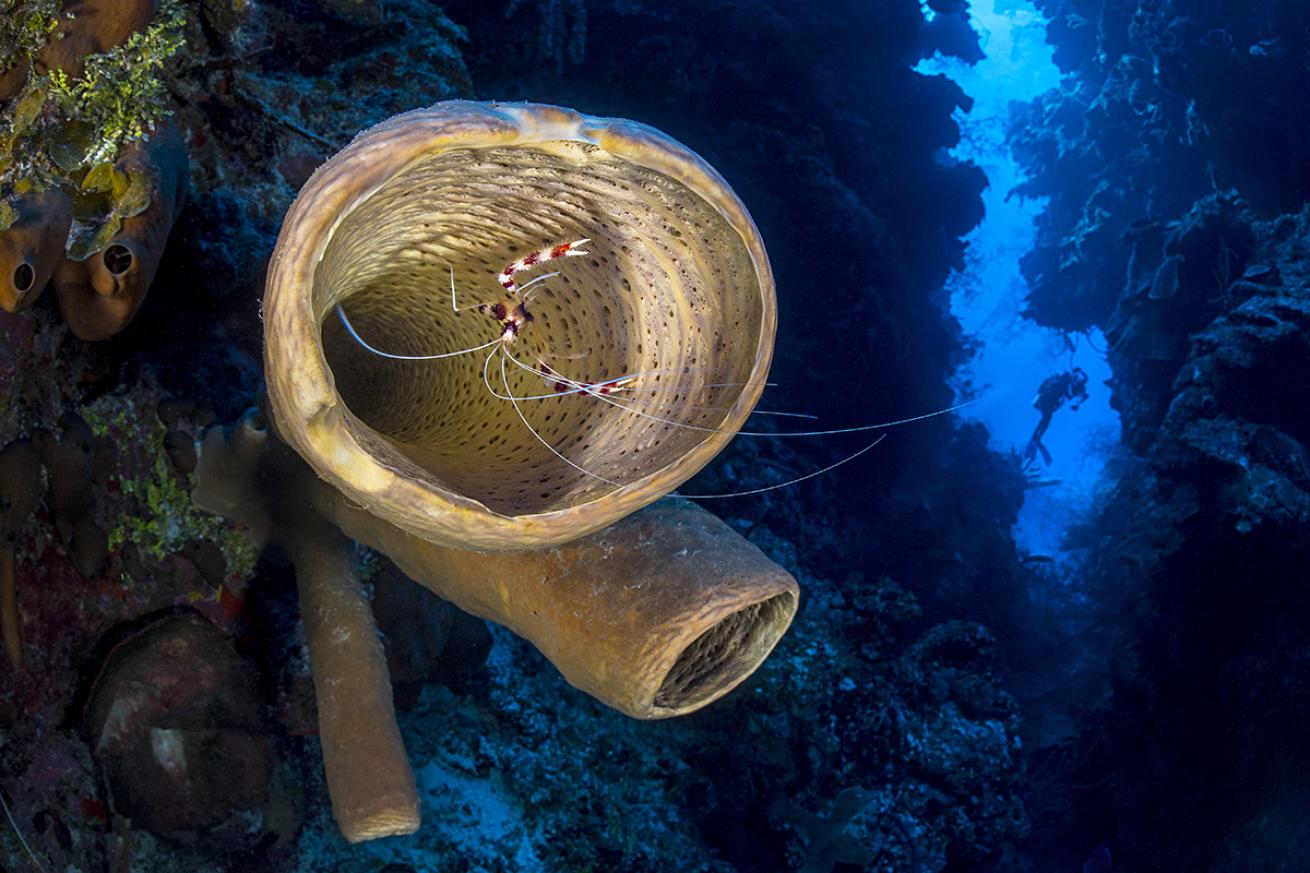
(1173, 160)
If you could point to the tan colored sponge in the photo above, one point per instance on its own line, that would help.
(676, 291)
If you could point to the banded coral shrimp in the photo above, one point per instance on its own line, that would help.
(515, 350)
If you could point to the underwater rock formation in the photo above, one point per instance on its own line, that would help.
(174, 721)
(114, 537)
(1176, 224)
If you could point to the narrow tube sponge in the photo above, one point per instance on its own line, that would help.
(677, 289)
(245, 476)
(657, 615)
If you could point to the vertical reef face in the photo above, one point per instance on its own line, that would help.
(1174, 163)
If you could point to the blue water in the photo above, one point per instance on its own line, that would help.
(988, 297)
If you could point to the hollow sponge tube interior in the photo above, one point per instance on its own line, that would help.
(667, 294)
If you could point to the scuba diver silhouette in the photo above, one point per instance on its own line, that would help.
(1052, 394)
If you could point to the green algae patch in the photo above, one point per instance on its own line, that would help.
(155, 509)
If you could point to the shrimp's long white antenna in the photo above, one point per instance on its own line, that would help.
(844, 460)
(526, 285)
(800, 433)
(359, 339)
(805, 433)
(590, 389)
(514, 401)
(785, 414)
(36, 862)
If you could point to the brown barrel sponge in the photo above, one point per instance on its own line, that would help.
(677, 287)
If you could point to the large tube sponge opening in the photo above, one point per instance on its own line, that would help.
(675, 290)
(725, 654)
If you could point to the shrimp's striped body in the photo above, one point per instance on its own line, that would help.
(563, 250)
(514, 316)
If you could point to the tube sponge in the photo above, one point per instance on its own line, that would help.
(83, 27)
(101, 295)
(658, 615)
(677, 288)
(32, 247)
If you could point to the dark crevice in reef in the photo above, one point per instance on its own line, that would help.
(1174, 160)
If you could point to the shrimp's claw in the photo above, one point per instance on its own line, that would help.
(506, 276)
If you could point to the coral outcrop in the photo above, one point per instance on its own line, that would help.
(174, 720)
(113, 536)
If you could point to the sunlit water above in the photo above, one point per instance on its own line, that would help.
(1013, 354)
